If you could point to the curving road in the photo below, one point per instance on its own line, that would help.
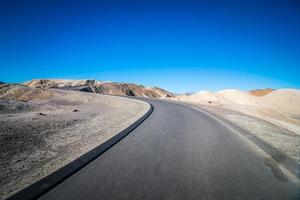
(177, 153)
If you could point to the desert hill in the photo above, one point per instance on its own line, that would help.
(23, 93)
(223, 97)
(237, 97)
(284, 100)
(125, 89)
(281, 100)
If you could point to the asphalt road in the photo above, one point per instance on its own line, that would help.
(177, 153)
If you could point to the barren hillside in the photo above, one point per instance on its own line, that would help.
(282, 100)
(123, 89)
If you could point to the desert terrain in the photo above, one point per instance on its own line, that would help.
(271, 115)
(46, 123)
(44, 129)
(101, 87)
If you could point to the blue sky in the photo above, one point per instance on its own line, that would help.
(181, 46)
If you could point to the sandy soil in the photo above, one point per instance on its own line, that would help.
(43, 130)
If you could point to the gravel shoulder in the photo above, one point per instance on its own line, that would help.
(40, 135)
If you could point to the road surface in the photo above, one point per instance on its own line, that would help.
(177, 153)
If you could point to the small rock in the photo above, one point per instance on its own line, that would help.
(75, 110)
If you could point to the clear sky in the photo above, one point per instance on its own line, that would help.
(181, 46)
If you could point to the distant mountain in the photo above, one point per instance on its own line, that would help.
(58, 83)
(189, 93)
(260, 92)
(113, 88)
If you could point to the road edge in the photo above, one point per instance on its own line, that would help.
(289, 163)
(44, 185)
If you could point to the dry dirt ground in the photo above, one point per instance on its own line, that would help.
(43, 130)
